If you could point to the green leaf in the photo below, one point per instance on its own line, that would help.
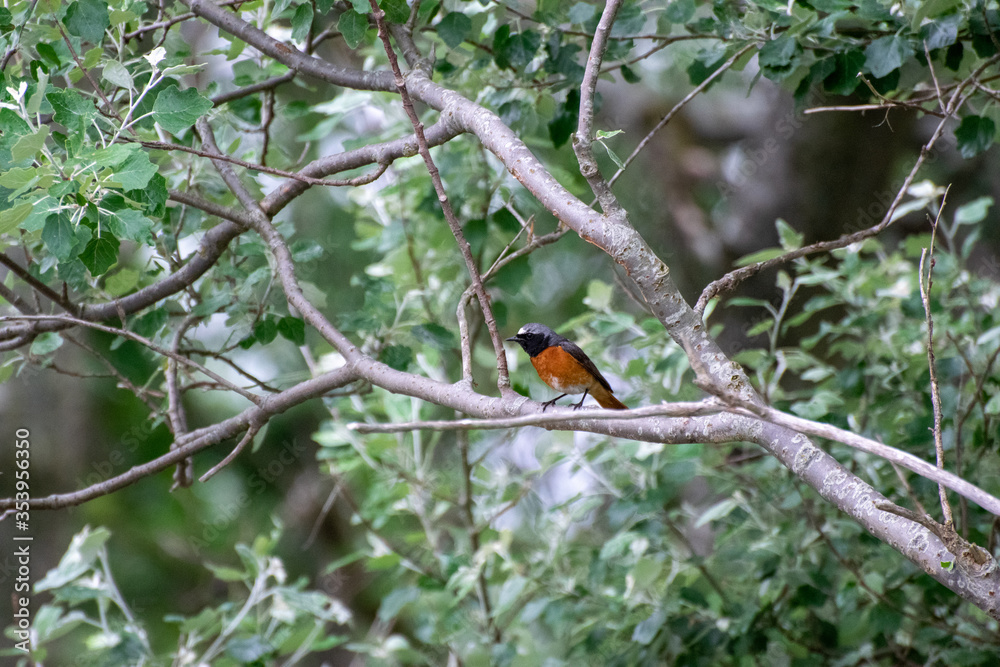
(886, 54)
(396, 11)
(59, 236)
(353, 26)
(265, 331)
(941, 33)
(790, 239)
(929, 9)
(12, 217)
(581, 12)
(513, 275)
(953, 58)
(515, 50)
(88, 19)
(136, 171)
(779, 56)
(708, 60)
(844, 78)
(132, 225)
(717, 511)
(614, 156)
(46, 343)
(293, 329)
(50, 623)
(435, 335)
(974, 135)
(149, 324)
(176, 110)
(115, 154)
(249, 649)
(100, 254)
(72, 109)
(302, 22)
(973, 212)
(396, 356)
(629, 75)
(82, 552)
(563, 59)
(115, 73)
(30, 144)
(629, 21)
(680, 11)
(454, 28)
(153, 196)
(646, 631)
(760, 256)
(17, 178)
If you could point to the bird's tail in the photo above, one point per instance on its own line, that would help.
(607, 400)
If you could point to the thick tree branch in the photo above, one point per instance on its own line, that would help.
(197, 440)
(543, 419)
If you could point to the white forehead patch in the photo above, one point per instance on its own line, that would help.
(523, 331)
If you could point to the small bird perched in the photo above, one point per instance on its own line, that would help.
(564, 366)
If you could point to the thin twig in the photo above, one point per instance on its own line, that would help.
(125, 333)
(677, 107)
(503, 377)
(364, 179)
(482, 589)
(198, 440)
(37, 285)
(925, 297)
(183, 474)
(906, 460)
(583, 139)
(247, 437)
(734, 278)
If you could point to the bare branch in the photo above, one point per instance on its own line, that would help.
(583, 140)
(680, 105)
(734, 278)
(247, 438)
(175, 406)
(906, 460)
(925, 298)
(125, 333)
(256, 166)
(37, 285)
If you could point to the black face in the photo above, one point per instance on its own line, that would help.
(534, 338)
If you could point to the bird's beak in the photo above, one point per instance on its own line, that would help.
(513, 339)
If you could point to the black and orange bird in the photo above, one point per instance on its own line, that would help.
(564, 366)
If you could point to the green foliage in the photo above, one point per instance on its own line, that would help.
(267, 619)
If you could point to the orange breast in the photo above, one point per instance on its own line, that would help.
(561, 371)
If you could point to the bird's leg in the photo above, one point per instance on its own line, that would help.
(580, 404)
(548, 404)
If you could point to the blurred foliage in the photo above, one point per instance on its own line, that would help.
(495, 548)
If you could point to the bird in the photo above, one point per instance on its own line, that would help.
(564, 366)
